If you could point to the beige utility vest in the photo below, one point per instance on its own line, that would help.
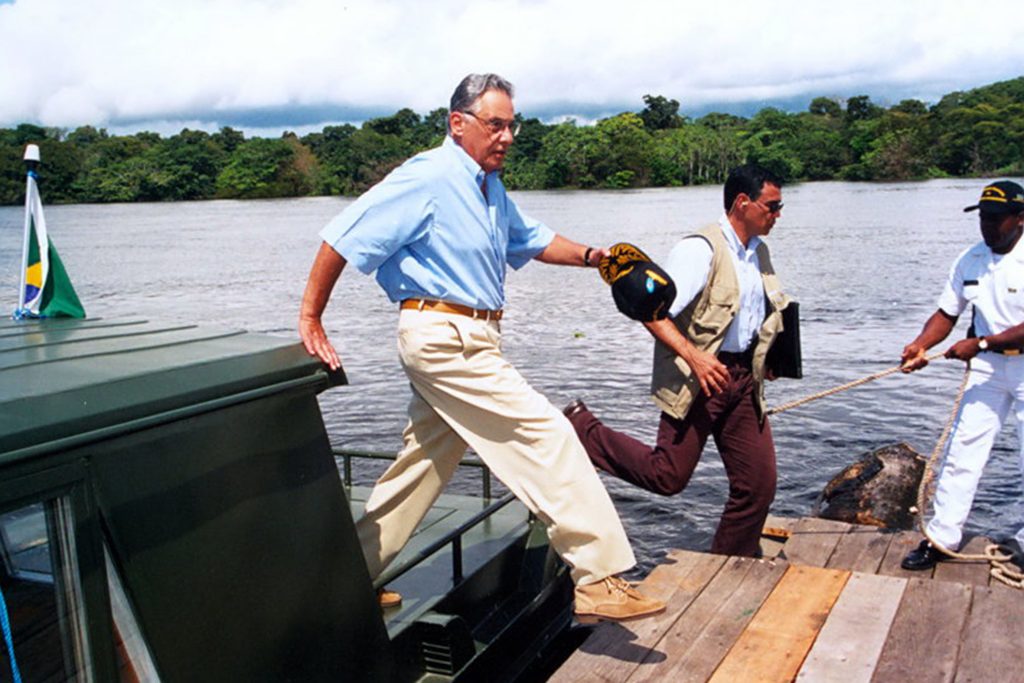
(705, 320)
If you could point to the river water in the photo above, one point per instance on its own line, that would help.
(866, 262)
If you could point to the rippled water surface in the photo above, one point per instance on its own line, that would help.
(866, 262)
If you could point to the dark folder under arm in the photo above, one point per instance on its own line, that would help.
(784, 358)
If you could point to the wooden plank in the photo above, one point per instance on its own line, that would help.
(974, 572)
(924, 640)
(849, 644)
(902, 543)
(704, 633)
(813, 541)
(613, 651)
(771, 543)
(861, 549)
(774, 644)
(776, 522)
(992, 638)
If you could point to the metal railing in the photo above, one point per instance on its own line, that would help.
(347, 454)
(454, 538)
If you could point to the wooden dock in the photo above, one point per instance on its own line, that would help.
(830, 603)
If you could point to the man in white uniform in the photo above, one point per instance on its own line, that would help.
(990, 277)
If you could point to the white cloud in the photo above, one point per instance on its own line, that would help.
(126, 62)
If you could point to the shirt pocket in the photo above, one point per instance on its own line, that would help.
(970, 290)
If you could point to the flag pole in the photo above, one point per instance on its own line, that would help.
(31, 162)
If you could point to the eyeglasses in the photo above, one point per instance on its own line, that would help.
(773, 206)
(497, 126)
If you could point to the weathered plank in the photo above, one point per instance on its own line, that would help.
(704, 633)
(784, 523)
(742, 623)
(613, 651)
(849, 644)
(774, 644)
(813, 540)
(775, 532)
(991, 643)
(861, 549)
(974, 572)
(925, 636)
(902, 543)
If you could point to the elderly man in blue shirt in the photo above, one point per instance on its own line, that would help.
(439, 231)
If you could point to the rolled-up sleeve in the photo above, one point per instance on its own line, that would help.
(526, 237)
(392, 214)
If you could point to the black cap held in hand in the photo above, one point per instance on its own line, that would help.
(641, 289)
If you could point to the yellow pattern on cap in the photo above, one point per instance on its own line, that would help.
(619, 261)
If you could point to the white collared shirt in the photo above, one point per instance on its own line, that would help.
(689, 264)
(993, 283)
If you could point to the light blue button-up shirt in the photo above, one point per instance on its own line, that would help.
(430, 233)
(689, 264)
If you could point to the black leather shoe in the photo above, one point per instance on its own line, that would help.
(925, 556)
(575, 406)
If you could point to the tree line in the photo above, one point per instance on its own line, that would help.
(978, 132)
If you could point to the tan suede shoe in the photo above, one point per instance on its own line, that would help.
(388, 598)
(613, 599)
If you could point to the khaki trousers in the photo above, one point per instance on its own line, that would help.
(466, 393)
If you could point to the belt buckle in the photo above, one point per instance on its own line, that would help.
(1011, 352)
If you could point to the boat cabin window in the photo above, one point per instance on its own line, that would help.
(41, 606)
(134, 660)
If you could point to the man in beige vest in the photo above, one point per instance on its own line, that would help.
(709, 366)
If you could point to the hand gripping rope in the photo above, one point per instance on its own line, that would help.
(994, 554)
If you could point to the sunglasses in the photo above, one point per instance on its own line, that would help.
(773, 206)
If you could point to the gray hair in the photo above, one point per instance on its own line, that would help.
(473, 86)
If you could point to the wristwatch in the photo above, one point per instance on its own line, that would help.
(982, 344)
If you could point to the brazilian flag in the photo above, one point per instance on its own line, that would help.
(47, 291)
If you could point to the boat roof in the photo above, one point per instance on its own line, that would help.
(64, 381)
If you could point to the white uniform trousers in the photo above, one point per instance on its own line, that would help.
(995, 386)
(465, 392)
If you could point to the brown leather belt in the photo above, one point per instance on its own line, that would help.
(445, 307)
(1007, 352)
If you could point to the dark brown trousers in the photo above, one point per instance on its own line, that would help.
(744, 442)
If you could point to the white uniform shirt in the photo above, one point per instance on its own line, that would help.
(689, 264)
(993, 283)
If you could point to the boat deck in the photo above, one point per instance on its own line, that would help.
(432, 579)
(830, 603)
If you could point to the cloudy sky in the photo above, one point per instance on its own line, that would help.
(265, 66)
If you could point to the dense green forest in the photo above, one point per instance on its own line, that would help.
(978, 132)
